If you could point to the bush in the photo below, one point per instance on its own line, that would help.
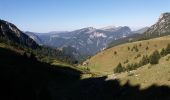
(119, 68)
(126, 61)
(138, 55)
(135, 48)
(128, 48)
(154, 58)
(144, 61)
(130, 67)
(168, 49)
(163, 52)
(147, 48)
(140, 44)
(115, 53)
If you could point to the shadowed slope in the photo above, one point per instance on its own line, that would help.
(25, 78)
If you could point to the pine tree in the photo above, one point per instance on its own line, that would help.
(119, 68)
(144, 61)
(154, 58)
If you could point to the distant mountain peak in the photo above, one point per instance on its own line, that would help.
(108, 27)
(161, 26)
(142, 30)
(163, 15)
(114, 28)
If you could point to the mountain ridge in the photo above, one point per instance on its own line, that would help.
(162, 26)
(11, 32)
(87, 41)
(130, 51)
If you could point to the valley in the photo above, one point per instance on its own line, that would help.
(109, 63)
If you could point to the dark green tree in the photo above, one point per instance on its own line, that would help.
(144, 60)
(119, 68)
(133, 66)
(163, 52)
(154, 58)
(147, 48)
(168, 49)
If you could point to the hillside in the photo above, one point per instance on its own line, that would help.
(161, 27)
(24, 78)
(9, 31)
(14, 37)
(147, 75)
(129, 53)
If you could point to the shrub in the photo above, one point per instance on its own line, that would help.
(126, 61)
(128, 48)
(163, 52)
(119, 68)
(135, 48)
(140, 44)
(167, 59)
(168, 49)
(154, 57)
(115, 52)
(130, 67)
(147, 48)
(144, 61)
(138, 55)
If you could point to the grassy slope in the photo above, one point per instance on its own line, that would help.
(23, 78)
(55, 62)
(105, 61)
(149, 74)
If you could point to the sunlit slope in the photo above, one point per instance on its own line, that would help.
(148, 75)
(105, 61)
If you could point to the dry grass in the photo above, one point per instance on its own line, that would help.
(105, 61)
(148, 75)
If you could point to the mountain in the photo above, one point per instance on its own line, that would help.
(29, 42)
(10, 32)
(127, 53)
(24, 78)
(87, 41)
(34, 37)
(161, 27)
(109, 28)
(142, 30)
(126, 49)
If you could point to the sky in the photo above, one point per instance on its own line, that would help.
(66, 15)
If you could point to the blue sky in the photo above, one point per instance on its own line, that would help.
(61, 15)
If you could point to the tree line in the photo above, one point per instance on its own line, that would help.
(152, 59)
